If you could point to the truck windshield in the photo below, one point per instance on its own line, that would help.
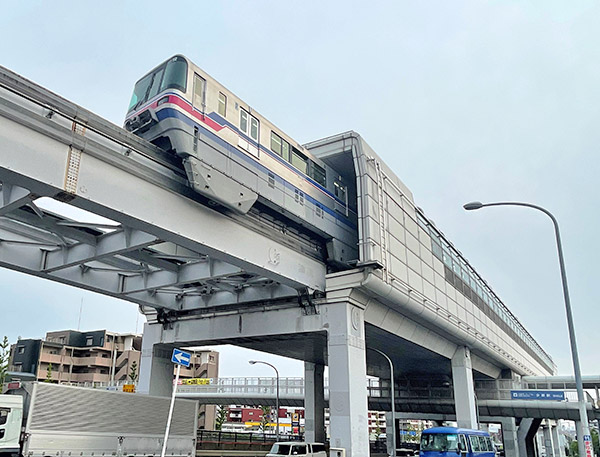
(170, 75)
(280, 449)
(439, 442)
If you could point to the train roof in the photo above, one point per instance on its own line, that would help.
(446, 430)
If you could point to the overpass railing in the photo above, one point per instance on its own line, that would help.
(499, 389)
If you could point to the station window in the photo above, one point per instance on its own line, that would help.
(222, 104)
(340, 191)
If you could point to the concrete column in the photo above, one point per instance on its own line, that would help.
(548, 444)
(464, 391)
(526, 436)
(314, 402)
(349, 425)
(559, 451)
(156, 368)
(509, 437)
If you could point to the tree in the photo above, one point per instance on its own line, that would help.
(265, 418)
(133, 374)
(4, 358)
(48, 373)
(574, 448)
(221, 416)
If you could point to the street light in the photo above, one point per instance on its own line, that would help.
(393, 395)
(583, 417)
(253, 362)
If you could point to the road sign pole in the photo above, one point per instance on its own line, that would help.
(164, 448)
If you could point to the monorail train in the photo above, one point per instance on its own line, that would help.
(234, 156)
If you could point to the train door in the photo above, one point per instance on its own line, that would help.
(199, 98)
(250, 128)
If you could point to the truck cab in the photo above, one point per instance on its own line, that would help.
(11, 419)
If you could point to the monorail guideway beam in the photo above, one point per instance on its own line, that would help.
(166, 249)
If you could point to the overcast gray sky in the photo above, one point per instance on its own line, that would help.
(465, 100)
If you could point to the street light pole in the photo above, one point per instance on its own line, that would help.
(393, 399)
(253, 362)
(583, 438)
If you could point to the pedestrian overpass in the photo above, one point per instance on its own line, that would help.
(203, 275)
(416, 398)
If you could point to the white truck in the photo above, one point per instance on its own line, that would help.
(41, 419)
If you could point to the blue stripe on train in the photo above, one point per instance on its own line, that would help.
(166, 113)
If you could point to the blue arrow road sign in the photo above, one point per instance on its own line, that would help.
(537, 395)
(181, 358)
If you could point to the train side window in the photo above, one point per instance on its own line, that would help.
(280, 146)
(253, 128)
(317, 173)
(222, 104)
(275, 143)
(243, 121)
(299, 161)
(285, 150)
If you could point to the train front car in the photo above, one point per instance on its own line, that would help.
(168, 108)
(234, 156)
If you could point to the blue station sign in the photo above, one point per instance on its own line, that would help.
(552, 395)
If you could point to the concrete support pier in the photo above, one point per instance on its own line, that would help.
(526, 436)
(156, 368)
(548, 442)
(314, 402)
(347, 374)
(559, 451)
(509, 437)
(464, 390)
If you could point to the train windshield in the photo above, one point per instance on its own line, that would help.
(439, 442)
(170, 75)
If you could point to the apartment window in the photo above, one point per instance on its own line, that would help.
(21, 350)
(89, 341)
(222, 104)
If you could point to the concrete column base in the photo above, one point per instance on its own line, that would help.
(464, 390)
(314, 403)
(509, 437)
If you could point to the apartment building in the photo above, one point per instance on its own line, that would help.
(99, 358)
(80, 358)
